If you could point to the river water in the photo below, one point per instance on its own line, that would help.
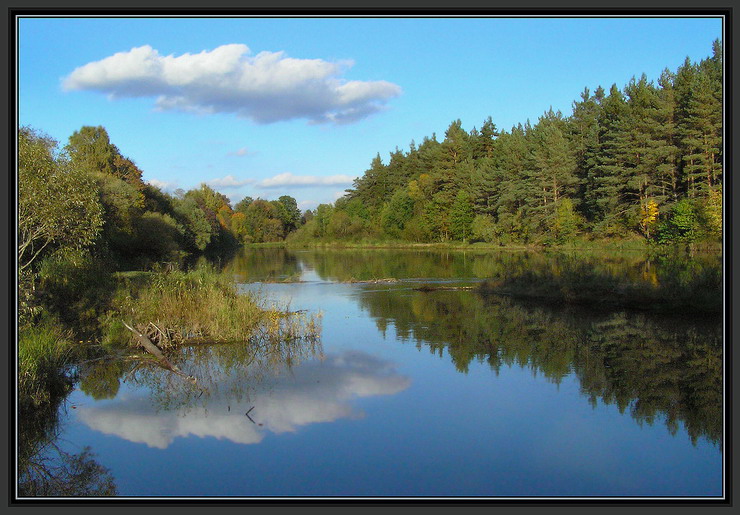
(423, 392)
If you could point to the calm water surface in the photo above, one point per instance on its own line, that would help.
(420, 393)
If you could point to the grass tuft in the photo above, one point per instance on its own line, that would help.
(43, 351)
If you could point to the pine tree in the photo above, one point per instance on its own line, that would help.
(453, 151)
(606, 183)
(484, 143)
(461, 216)
(397, 172)
(667, 149)
(372, 187)
(701, 134)
(640, 149)
(485, 185)
(553, 175)
(514, 161)
(583, 130)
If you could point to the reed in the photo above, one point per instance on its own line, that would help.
(176, 306)
(44, 354)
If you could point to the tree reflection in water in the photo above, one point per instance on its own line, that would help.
(221, 370)
(46, 470)
(654, 367)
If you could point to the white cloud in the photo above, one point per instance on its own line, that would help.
(307, 204)
(241, 152)
(304, 181)
(229, 182)
(265, 88)
(163, 185)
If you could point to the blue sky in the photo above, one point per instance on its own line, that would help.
(300, 106)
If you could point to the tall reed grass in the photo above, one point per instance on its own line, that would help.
(44, 352)
(204, 304)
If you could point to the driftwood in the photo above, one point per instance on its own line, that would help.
(438, 288)
(157, 353)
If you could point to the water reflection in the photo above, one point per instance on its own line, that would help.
(281, 266)
(45, 469)
(666, 270)
(248, 402)
(656, 367)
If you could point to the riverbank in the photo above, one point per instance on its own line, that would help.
(628, 244)
(168, 307)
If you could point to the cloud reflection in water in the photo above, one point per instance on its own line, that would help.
(312, 392)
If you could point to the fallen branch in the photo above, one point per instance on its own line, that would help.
(157, 353)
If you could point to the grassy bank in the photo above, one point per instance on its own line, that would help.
(198, 305)
(171, 307)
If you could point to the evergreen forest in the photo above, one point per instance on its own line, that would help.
(641, 162)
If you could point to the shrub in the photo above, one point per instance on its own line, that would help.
(681, 225)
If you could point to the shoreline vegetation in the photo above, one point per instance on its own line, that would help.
(576, 245)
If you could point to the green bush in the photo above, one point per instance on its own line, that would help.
(681, 224)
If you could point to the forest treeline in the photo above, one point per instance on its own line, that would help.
(641, 161)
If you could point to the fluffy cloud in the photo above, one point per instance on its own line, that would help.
(229, 182)
(304, 181)
(265, 88)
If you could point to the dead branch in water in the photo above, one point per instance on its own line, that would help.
(152, 349)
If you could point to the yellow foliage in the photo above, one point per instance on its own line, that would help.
(714, 210)
(650, 214)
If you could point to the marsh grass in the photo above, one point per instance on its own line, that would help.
(44, 353)
(202, 305)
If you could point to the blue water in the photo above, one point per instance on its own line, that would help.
(373, 414)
